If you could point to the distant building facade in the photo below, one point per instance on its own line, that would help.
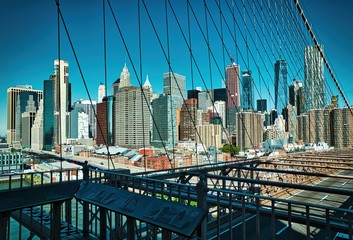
(281, 85)
(314, 81)
(247, 95)
(187, 120)
(165, 128)
(132, 108)
(17, 100)
(249, 129)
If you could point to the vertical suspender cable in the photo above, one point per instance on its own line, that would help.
(105, 82)
(142, 93)
(170, 82)
(57, 84)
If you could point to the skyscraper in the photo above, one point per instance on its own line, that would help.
(261, 105)
(314, 81)
(187, 119)
(83, 125)
(174, 84)
(62, 101)
(220, 94)
(342, 127)
(133, 122)
(193, 93)
(164, 129)
(17, 98)
(233, 95)
(232, 85)
(48, 113)
(124, 78)
(250, 129)
(209, 135)
(115, 86)
(281, 85)
(319, 126)
(106, 122)
(37, 129)
(204, 101)
(296, 96)
(248, 91)
(27, 122)
(101, 92)
(220, 111)
(85, 106)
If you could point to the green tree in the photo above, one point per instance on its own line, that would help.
(230, 148)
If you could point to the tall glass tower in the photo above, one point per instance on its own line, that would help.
(164, 130)
(48, 113)
(281, 85)
(314, 81)
(248, 91)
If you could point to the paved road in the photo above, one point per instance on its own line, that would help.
(282, 231)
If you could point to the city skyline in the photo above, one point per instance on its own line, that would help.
(30, 46)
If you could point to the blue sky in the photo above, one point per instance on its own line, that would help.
(28, 44)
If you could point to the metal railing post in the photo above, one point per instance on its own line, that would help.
(4, 223)
(85, 230)
(55, 221)
(103, 223)
(201, 191)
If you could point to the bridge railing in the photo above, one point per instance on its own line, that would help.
(235, 208)
(243, 211)
(15, 181)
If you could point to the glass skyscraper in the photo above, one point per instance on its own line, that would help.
(281, 85)
(48, 113)
(175, 84)
(314, 82)
(17, 98)
(248, 91)
(164, 128)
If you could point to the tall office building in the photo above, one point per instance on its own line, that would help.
(37, 129)
(247, 100)
(233, 95)
(17, 98)
(220, 94)
(62, 101)
(281, 85)
(220, 111)
(194, 93)
(342, 128)
(115, 86)
(232, 85)
(87, 107)
(290, 115)
(209, 135)
(101, 92)
(124, 77)
(319, 126)
(133, 121)
(48, 113)
(105, 130)
(27, 122)
(204, 101)
(314, 81)
(250, 129)
(174, 84)
(303, 128)
(187, 120)
(83, 125)
(296, 96)
(165, 128)
(261, 105)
